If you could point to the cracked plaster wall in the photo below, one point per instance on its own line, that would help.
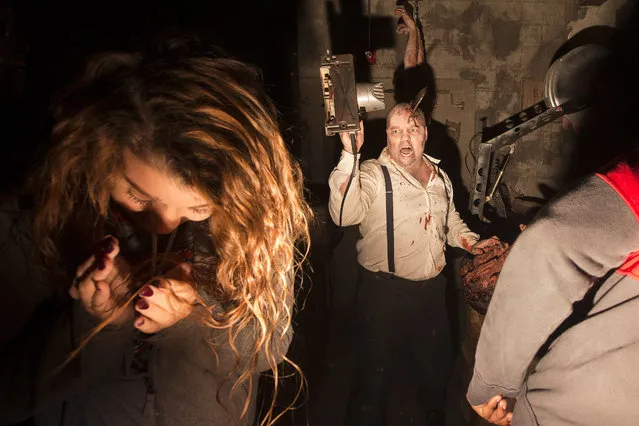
(489, 58)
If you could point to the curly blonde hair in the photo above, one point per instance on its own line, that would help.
(208, 120)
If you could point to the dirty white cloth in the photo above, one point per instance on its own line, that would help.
(425, 218)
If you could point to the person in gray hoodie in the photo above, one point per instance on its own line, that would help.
(147, 268)
(560, 334)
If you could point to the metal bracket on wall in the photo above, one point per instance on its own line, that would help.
(570, 86)
(501, 134)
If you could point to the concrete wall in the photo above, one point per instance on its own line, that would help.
(489, 58)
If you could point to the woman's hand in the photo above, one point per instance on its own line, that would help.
(165, 300)
(99, 283)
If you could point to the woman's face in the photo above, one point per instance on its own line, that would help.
(155, 198)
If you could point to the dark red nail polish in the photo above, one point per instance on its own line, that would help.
(110, 246)
(100, 264)
(146, 292)
(142, 304)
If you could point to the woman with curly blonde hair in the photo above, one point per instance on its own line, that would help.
(148, 276)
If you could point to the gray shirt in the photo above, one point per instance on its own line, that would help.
(589, 374)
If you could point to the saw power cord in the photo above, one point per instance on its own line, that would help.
(350, 179)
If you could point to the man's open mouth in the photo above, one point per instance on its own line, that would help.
(406, 152)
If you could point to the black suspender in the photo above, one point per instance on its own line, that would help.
(447, 191)
(390, 225)
(390, 232)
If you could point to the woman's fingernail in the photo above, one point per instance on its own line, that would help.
(147, 291)
(101, 265)
(142, 304)
(139, 322)
(110, 246)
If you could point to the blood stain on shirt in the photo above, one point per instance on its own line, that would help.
(428, 218)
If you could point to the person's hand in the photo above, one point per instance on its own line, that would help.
(408, 23)
(165, 300)
(359, 136)
(484, 245)
(495, 411)
(414, 54)
(99, 283)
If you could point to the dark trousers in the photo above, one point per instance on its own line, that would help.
(396, 318)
